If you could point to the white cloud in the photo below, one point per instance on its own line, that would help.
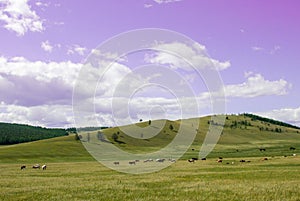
(77, 49)
(41, 4)
(165, 1)
(34, 83)
(256, 48)
(290, 115)
(147, 5)
(46, 46)
(174, 54)
(41, 115)
(257, 85)
(275, 49)
(18, 16)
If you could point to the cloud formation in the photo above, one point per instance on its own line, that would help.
(30, 83)
(256, 85)
(173, 54)
(77, 49)
(46, 46)
(18, 16)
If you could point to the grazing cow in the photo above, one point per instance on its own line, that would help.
(195, 159)
(294, 155)
(203, 159)
(242, 161)
(191, 160)
(131, 162)
(161, 160)
(116, 163)
(137, 161)
(193, 149)
(37, 166)
(292, 148)
(44, 167)
(219, 160)
(248, 161)
(264, 159)
(23, 167)
(172, 160)
(262, 149)
(148, 160)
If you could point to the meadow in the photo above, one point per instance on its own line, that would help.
(275, 179)
(73, 174)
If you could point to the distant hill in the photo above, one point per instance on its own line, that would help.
(245, 132)
(243, 135)
(19, 133)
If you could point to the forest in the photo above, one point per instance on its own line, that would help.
(19, 133)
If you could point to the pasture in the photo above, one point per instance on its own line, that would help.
(275, 179)
(72, 174)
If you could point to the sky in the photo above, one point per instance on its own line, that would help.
(45, 46)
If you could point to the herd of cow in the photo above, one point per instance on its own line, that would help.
(159, 160)
(37, 166)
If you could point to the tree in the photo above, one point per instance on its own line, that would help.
(171, 127)
(115, 137)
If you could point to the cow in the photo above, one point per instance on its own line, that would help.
(195, 159)
(148, 160)
(44, 167)
(292, 148)
(131, 162)
(242, 161)
(203, 159)
(264, 159)
(219, 160)
(116, 163)
(294, 154)
(23, 167)
(37, 166)
(262, 149)
(191, 160)
(160, 160)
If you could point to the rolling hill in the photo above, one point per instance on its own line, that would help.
(242, 136)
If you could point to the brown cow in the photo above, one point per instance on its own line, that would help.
(37, 166)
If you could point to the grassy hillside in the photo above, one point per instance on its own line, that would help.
(242, 136)
(60, 149)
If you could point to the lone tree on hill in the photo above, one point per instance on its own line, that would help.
(115, 137)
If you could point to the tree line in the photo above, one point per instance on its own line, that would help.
(271, 121)
(19, 133)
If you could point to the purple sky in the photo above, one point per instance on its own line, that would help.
(44, 43)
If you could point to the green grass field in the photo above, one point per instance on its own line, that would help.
(72, 174)
(276, 179)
